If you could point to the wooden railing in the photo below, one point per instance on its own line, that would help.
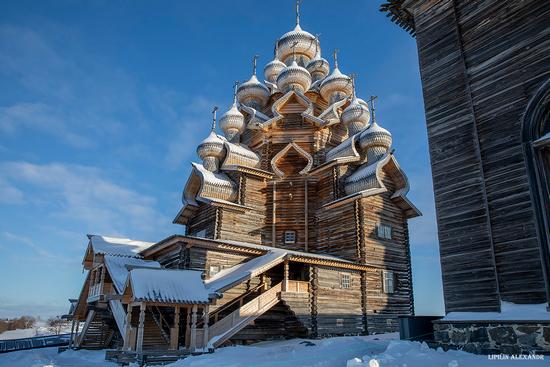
(99, 289)
(213, 316)
(120, 316)
(80, 337)
(297, 286)
(238, 319)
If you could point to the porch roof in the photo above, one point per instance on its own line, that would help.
(168, 286)
(227, 278)
(119, 266)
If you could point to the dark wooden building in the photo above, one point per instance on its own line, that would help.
(485, 70)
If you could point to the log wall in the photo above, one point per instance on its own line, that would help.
(480, 63)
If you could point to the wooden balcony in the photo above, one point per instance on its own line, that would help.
(97, 292)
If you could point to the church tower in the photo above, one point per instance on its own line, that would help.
(302, 164)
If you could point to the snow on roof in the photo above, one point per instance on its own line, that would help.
(117, 246)
(244, 271)
(509, 311)
(118, 267)
(168, 286)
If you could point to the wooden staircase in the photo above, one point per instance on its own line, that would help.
(96, 333)
(237, 320)
(153, 337)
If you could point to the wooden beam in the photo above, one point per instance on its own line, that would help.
(205, 328)
(306, 219)
(72, 333)
(188, 327)
(141, 327)
(285, 279)
(128, 331)
(273, 219)
(193, 341)
(174, 331)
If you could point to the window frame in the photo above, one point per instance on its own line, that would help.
(384, 231)
(388, 281)
(345, 281)
(288, 233)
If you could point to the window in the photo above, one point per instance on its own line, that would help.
(290, 236)
(383, 231)
(339, 322)
(213, 270)
(388, 281)
(201, 234)
(345, 281)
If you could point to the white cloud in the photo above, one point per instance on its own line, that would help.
(41, 117)
(69, 95)
(10, 194)
(10, 239)
(83, 194)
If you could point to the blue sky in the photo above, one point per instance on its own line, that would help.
(102, 104)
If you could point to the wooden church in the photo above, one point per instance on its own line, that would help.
(295, 226)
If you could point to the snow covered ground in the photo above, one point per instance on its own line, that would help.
(40, 329)
(371, 351)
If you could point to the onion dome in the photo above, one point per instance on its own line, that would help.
(336, 86)
(296, 42)
(252, 93)
(232, 122)
(318, 67)
(357, 115)
(375, 139)
(211, 149)
(305, 45)
(273, 68)
(294, 77)
(375, 135)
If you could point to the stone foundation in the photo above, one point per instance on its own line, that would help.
(494, 337)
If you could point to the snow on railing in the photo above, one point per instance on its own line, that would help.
(238, 318)
(120, 316)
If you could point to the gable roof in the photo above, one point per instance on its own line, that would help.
(119, 267)
(117, 246)
(168, 286)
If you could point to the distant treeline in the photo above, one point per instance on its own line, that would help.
(23, 322)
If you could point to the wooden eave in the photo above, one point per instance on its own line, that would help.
(224, 204)
(335, 162)
(331, 263)
(353, 197)
(250, 170)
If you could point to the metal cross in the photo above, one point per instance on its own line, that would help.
(298, 2)
(372, 109)
(335, 56)
(352, 78)
(235, 86)
(317, 44)
(214, 118)
(254, 64)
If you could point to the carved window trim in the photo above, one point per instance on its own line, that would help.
(283, 152)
